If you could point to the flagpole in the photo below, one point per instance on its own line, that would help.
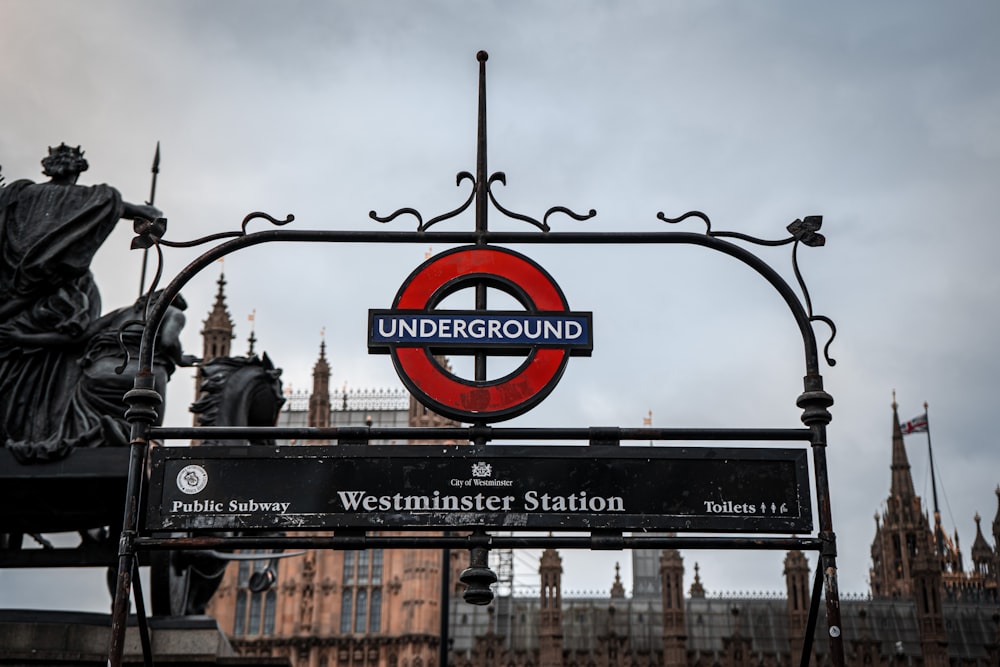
(938, 535)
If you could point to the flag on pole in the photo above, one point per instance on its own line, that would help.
(915, 425)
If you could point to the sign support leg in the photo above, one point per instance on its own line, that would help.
(126, 556)
(814, 403)
(445, 604)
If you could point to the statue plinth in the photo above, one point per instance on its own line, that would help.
(36, 638)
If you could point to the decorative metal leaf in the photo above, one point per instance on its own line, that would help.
(148, 232)
(806, 230)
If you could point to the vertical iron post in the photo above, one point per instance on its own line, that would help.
(143, 401)
(445, 603)
(815, 402)
(482, 199)
(482, 175)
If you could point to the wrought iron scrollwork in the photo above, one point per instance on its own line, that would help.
(803, 230)
(122, 347)
(498, 176)
(421, 225)
(149, 234)
(542, 224)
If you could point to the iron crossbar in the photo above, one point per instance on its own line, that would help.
(610, 541)
(479, 433)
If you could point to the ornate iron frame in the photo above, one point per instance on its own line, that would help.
(144, 402)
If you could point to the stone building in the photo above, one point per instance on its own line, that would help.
(336, 608)
(379, 608)
(924, 609)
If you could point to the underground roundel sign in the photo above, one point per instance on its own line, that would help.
(417, 334)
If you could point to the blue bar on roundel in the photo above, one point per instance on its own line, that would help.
(476, 329)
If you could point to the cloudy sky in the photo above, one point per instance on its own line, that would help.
(884, 120)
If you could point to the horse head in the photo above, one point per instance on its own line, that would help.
(239, 391)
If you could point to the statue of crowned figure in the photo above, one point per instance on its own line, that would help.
(59, 388)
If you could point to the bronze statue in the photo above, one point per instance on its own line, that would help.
(49, 303)
(95, 411)
(64, 367)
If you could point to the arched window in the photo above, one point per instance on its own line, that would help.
(244, 574)
(361, 611)
(253, 626)
(270, 603)
(345, 611)
(348, 568)
(377, 567)
(362, 583)
(362, 568)
(255, 612)
(240, 624)
(375, 616)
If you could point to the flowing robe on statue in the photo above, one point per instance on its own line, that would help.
(49, 234)
(96, 412)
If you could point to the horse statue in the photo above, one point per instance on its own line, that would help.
(239, 391)
(235, 391)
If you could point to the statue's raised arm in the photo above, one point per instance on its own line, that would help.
(49, 235)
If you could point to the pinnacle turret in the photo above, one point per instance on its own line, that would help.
(902, 479)
(697, 589)
(319, 400)
(617, 589)
(217, 333)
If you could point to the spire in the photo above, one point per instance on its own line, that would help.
(996, 523)
(217, 333)
(617, 590)
(697, 590)
(982, 554)
(902, 480)
(905, 531)
(253, 336)
(319, 399)
(321, 369)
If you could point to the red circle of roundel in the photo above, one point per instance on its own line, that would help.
(491, 400)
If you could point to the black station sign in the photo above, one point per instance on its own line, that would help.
(499, 487)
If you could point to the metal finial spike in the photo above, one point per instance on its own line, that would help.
(482, 174)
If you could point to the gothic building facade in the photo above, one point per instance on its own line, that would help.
(365, 608)
(379, 608)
